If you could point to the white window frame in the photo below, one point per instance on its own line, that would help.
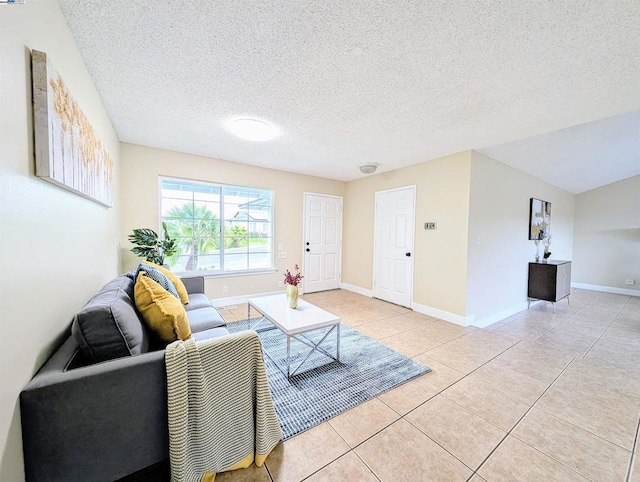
(221, 272)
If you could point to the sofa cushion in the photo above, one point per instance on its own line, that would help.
(108, 326)
(157, 276)
(197, 301)
(177, 282)
(204, 319)
(212, 333)
(160, 310)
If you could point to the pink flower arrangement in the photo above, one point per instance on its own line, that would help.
(293, 280)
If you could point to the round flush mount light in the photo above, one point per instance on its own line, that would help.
(252, 129)
(369, 168)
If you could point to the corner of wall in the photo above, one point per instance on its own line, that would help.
(498, 246)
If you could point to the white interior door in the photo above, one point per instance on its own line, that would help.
(322, 242)
(393, 245)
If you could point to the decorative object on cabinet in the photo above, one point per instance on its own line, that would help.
(547, 244)
(68, 151)
(539, 218)
(549, 281)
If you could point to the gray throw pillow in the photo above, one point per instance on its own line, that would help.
(108, 326)
(159, 277)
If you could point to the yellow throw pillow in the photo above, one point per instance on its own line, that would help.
(177, 282)
(161, 311)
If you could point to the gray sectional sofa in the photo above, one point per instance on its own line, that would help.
(97, 409)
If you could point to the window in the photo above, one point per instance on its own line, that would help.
(218, 228)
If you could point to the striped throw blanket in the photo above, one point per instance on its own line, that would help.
(221, 415)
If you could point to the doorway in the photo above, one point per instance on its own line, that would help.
(393, 245)
(322, 242)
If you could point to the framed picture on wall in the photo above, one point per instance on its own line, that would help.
(539, 218)
(68, 151)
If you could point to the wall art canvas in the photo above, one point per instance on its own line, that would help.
(539, 218)
(68, 151)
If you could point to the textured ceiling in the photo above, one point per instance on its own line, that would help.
(392, 82)
(579, 158)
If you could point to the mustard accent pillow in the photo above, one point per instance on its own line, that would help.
(161, 311)
(177, 282)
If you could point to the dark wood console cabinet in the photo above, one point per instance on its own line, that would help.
(550, 281)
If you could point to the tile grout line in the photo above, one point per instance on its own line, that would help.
(633, 453)
(403, 417)
(340, 456)
(607, 327)
(351, 449)
(563, 321)
(266, 467)
(366, 465)
(635, 440)
(463, 377)
(474, 472)
(520, 420)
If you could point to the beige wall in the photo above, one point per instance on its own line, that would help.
(141, 167)
(442, 195)
(607, 235)
(499, 216)
(56, 248)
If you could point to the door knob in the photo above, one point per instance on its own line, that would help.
(308, 250)
(307, 243)
(407, 254)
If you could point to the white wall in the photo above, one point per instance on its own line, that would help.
(442, 195)
(499, 215)
(56, 248)
(141, 167)
(607, 237)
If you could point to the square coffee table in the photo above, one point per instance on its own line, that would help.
(293, 322)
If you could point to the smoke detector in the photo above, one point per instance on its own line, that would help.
(368, 168)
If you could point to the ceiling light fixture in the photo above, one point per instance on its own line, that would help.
(252, 129)
(369, 168)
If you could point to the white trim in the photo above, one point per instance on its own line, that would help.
(501, 315)
(357, 289)
(397, 188)
(304, 232)
(606, 289)
(443, 315)
(413, 240)
(322, 194)
(235, 300)
(224, 274)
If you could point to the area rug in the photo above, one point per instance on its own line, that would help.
(323, 390)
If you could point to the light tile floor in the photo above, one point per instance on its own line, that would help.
(539, 396)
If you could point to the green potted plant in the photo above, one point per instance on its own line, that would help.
(150, 247)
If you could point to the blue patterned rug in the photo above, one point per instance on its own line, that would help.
(322, 390)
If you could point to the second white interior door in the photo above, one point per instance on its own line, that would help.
(393, 245)
(322, 242)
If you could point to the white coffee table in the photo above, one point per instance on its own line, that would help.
(293, 322)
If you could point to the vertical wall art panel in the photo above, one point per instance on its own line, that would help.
(539, 218)
(68, 151)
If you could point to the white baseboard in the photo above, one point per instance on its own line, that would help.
(606, 289)
(236, 300)
(356, 289)
(443, 315)
(501, 315)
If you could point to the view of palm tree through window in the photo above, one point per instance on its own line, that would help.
(218, 227)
